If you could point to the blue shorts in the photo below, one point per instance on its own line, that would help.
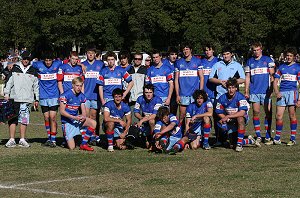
(92, 104)
(289, 98)
(108, 99)
(172, 142)
(186, 100)
(24, 113)
(163, 99)
(118, 130)
(260, 98)
(232, 126)
(70, 130)
(49, 102)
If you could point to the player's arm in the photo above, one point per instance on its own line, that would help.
(60, 87)
(63, 112)
(107, 118)
(101, 94)
(129, 87)
(275, 87)
(209, 113)
(176, 82)
(171, 88)
(128, 123)
(168, 128)
(187, 123)
(247, 85)
(201, 76)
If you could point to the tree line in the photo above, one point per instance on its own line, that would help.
(141, 25)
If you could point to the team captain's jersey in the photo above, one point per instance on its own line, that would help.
(92, 74)
(111, 107)
(73, 102)
(189, 79)
(194, 109)
(47, 79)
(259, 74)
(145, 107)
(228, 107)
(160, 77)
(209, 87)
(289, 76)
(112, 79)
(175, 132)
(67, 73)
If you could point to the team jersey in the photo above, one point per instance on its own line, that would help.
(160, 77)
(209, 87)
(223, 71)
(194, 109)
(112, 79)
(125, 68)
(228, 107)
(73, 102)
(145, 107)
(48, 87)
(175, 132)
(289, 76)
(111, 107)
(188, 79)
(67, 73)
(167, 62)
(259, 74)
(92, 74)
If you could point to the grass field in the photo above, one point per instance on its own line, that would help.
(269, 171)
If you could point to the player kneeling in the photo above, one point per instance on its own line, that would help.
(166, 131)
(198, 124)
(116, 127)
(72, 121)
(232, 108)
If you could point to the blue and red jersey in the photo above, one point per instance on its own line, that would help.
(73, 102)
(289, 75)
(48, 87)
(91, 76)
(189, 79)
(259, 74)
(126, 68)
(209, 87)
(67, 73)
(193, 109)
(115, 112)
(236, 104)
(145, 107)
(167, 62)
(112, 79)
(175, 132)
(160, 77)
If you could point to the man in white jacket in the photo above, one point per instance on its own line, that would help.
(22, 86)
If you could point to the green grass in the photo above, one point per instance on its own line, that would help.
(269, 171)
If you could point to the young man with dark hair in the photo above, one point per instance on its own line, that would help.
(287, 96)
(111, 77)
(161, 76)
(47, 73)
(22, 86)
(258, 88)
(167, 130)
(70, 103)
(188, 78)
(124, 58)
(145, 111)
(116, 128)
(198, 124)
(232, 108)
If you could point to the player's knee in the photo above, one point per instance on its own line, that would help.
(109, 126)
(206, 120)
(241, 121)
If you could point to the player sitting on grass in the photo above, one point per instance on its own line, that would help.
(198, 124)
(116, 127)
(232, 108)
(72, 121)
(166, 131)
(145, 110)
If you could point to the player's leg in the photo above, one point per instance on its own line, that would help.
(241, 133)
(179, 146)
(46, 114)
(206, 133)
(279, 123)
(53, 125)
(256, 120)
(90, 124)
(110, 135)
(268, 117)
(293, 125)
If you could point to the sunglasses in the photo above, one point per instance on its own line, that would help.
(147, 60)
(138, 59)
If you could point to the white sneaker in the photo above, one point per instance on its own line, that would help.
(258, 139)
(277, 142)
(239, 148)
(10, 143)
(110, 149)
(23, 143)
(256, 143)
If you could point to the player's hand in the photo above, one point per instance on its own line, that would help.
(223, 83)
(298, 103)
(167, 102)
(158, 146)
(186, 146)
(224, 120)
(103, 102)
(178, 99)
(157, 135)
(278, 95)
(6, 98)
(122, 123)
(247, 96)
(83, 67)
(123, 135)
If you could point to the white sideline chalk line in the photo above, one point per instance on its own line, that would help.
(18, 187)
